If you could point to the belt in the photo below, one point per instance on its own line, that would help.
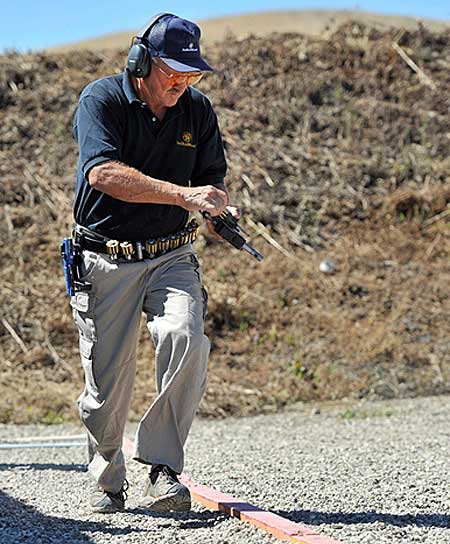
(152, 248)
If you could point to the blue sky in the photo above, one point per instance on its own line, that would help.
(36, 24)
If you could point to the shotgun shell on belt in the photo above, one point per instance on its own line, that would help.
(112, 248)
(127, 250)
(151, 246)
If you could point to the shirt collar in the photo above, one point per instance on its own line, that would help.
(131, 95)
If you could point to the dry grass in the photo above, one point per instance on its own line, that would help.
(349, 162)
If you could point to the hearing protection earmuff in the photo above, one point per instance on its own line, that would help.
(139, 62)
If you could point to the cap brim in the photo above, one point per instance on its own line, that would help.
(194, 65)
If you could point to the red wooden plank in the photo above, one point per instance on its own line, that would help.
(274, 524)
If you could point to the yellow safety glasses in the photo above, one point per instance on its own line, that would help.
(190, 78)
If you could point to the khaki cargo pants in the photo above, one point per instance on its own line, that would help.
(169, 291)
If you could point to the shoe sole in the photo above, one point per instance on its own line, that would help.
(177, 502)
(110, 509)
(106, 510)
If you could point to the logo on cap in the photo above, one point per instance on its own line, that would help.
(190, 47)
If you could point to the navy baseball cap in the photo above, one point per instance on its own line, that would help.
(177, 42)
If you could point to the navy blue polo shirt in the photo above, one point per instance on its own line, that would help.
(112, 123)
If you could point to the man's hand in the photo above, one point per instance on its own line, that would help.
(207, 199)
(226, 226)
(235, 212)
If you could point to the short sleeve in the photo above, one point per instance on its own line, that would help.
(97, 129)
(210, 167)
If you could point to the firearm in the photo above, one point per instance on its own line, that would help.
(226, 226)
(71, 258)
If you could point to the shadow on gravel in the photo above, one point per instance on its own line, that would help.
(186, 520)
(44, 466)
(22, 523)
(310, 517)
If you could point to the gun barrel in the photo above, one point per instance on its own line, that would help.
(226, 226)
(250, 249)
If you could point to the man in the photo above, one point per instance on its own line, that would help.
(150, 151)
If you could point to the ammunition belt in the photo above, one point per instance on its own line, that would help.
(149, 249)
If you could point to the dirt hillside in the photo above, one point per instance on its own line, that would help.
(311, 22)
(338, 149)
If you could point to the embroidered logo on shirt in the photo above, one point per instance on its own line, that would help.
(186, 140)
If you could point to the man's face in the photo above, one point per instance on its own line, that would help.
(166, 85)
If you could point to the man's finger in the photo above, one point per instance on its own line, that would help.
(208, 207)
(235, 212)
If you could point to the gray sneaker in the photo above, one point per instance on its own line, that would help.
(163, 491)
(106, 502)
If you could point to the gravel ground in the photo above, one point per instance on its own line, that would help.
(368, 473)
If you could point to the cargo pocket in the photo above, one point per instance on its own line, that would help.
(82, 308)
(86, 352)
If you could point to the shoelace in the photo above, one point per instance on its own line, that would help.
(122, 493)
(165, 471)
